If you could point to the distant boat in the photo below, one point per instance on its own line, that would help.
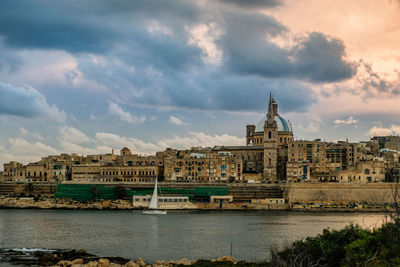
(153, 207)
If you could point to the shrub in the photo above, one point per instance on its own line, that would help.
(351, 246)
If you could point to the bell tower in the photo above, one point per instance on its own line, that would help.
(271, 142)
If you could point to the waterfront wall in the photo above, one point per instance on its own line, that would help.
(197, 192)
(371, 193)
(340, 193)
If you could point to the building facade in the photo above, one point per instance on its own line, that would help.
(274, 133)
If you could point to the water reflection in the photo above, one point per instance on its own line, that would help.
(177, 235)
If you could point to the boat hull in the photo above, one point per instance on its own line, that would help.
(154, 212)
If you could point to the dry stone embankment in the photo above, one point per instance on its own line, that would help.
(341, 193)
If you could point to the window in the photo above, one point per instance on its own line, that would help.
(269, 135)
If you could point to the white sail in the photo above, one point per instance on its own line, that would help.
(154, 198)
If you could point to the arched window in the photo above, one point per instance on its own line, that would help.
(269, 135)
(269, 161)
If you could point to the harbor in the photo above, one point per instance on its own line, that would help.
(180, 234)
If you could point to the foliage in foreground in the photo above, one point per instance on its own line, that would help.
(351, 246)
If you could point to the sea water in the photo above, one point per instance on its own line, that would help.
(183, 234)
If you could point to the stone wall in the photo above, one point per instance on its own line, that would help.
(341, 193)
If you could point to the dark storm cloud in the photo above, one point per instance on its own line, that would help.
(253, 3)
(26, 102)
(251, 93)
(202, 89)
(83, 26)
(248, 50)
(9, 59)
(321, 59)
(374, 84)
(149, 59)
(52, 25)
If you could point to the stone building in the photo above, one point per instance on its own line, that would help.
(250, 160)
(126, 167)
(13, 171)
(333, 162)
(202, 165)
(273, 133)
(87, 172)
(387, 142)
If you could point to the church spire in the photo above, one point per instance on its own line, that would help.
(271, 111)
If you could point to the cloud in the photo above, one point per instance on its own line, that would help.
(350, 120)
(23, 131)
(115, 109)
(27, 102)
(249, 47)
(176, 120)
(52, 26)
(321, 58)
(10, 60)
(374, 84)
(72, 135)
(195, 139)
(253, 3)
(164, 54)
(109, 141)
(21, 150)
(311, 127)
(71, 140)
(382, 131)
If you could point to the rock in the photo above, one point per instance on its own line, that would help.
(91, 264)
(64, 263)
(140, 262)
(77, 261)
(184, 261)
(103, 263)
(225, 258)
(131, 264)
(105, 204)
(161, 263)
(112, 264)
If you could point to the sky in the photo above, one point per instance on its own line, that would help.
(90, 76)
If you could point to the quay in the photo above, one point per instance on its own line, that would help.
(203, 196)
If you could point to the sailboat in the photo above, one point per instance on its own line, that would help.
(153, 207)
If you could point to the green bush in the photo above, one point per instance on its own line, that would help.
(351, 246)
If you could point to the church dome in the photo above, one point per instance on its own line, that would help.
(283, 125)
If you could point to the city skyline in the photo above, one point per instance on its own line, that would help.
(87, 77)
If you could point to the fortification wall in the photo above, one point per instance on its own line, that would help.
(341, 193)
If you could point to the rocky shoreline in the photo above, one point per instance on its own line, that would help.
(51, 203)
(69, 204)
(32, 203)
(79, 258)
